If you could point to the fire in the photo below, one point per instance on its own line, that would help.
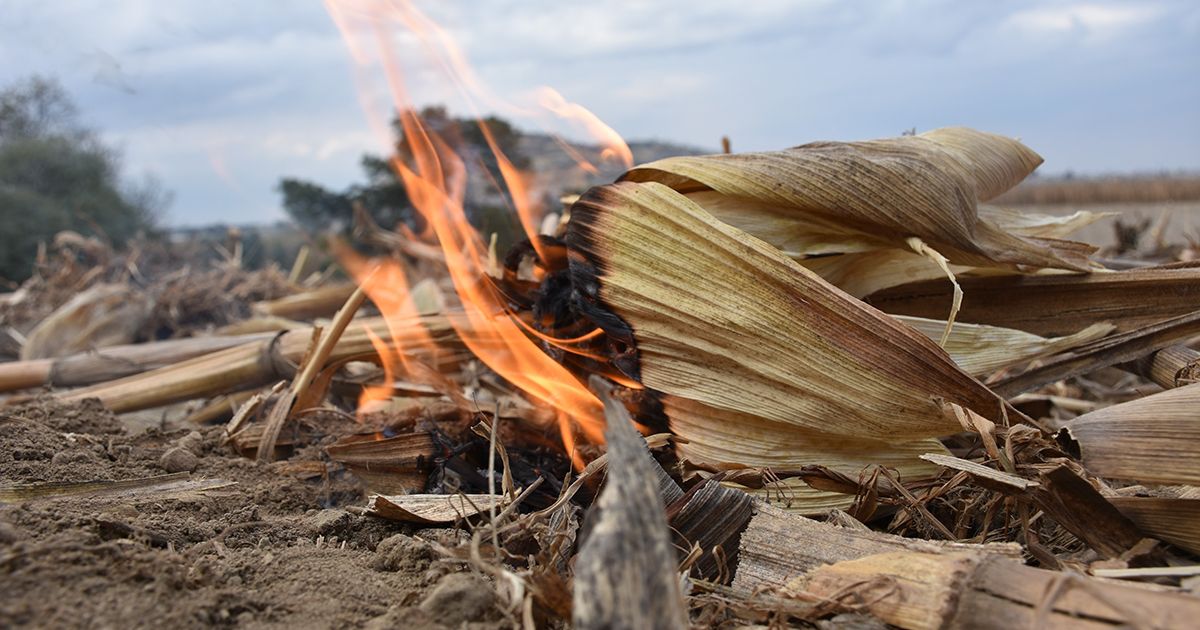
(386, 282)
(435, 178)
(612, 146)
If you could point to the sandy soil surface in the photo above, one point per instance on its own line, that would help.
(269, 549)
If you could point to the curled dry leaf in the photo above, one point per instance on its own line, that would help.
(722, 318)
(104, 315)
(1154, 440)
(839, 197)
(981, 349)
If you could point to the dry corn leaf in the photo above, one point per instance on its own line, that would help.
(432, 509)
(981, 349)
(720, 317)
(1040, 225)
(1152, 440)
(104, 315)
(718, 438)
(1054, 304)
(1175, 520)
(174, 483)
(836, 197)
(714, 437)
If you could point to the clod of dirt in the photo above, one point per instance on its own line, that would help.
(179, 459)
(8, 533)
(329, 522)
(193, 442)
(459, 598)
(409, 617)
(76, 456)
(403, 553)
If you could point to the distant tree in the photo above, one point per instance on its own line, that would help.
(56, 174)
(318, 209)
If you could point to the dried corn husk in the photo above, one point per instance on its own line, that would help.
(981, 350)
(862, 273)
(720, 317)
(835, 197)
(395, 465)
(104, 315)
(718, 437)
(432, 509)
(1040, 225)
(1175, 520)
(1054, 304)
(1152, 440)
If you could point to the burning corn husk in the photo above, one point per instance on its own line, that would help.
(748, 347)
(712, 314)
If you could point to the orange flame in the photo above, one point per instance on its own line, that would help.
(435, 179)
(386, 283)
(612, 145)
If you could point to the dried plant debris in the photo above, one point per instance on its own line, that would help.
(1055, 304)
(104, 315)
(840, 330)
(1152, 440)
(841, 197)
(656, 272)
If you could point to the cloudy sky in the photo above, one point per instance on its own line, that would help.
(218, 100)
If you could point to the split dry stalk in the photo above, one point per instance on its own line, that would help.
(251, 365)
(319, 302)
(922, 584)
(113, 362)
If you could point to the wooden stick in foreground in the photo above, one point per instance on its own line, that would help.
(625, 573)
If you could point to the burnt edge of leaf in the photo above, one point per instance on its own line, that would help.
(1069, 444)
(587, 269)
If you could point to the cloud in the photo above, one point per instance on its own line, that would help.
(1088, 18)
(219, 100)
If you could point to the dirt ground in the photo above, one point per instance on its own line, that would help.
(269, 549)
